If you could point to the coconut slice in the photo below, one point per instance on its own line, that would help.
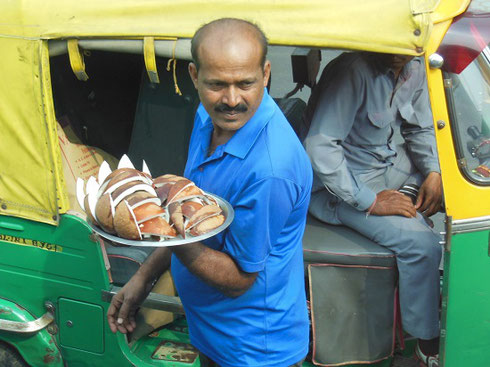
(90, 213)
(202, 214)
(148, 211)
(92, 185)
(117, 175)
(104, 171)
(177, 218)
(145, 168)
(125, 162)
(209, 200)
(124, 191)
(81, 193)
(207, 225)
(121, 181)
(125, 223)
(157, 227)
(189, 208)
(104, 212)
(183, 190)
(168, 178)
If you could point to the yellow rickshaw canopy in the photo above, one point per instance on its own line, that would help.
(397, 26)
(31, 175)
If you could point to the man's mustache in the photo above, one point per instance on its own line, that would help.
(223, 107)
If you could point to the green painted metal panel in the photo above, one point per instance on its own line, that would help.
(37, 349)
(465, 333)
(81, 325)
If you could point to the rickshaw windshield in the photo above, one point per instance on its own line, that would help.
(467, 80)
(468, 95)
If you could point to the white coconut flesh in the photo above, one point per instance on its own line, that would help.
(134, 218)
(125, 162)
(81, 193)
(161, 184)
(210, 200)
(145, 169)
(117, 185)
(104, 171)
(132, 190)
(207, 216)
(92, 202)
(92, 185)
(116, 174)
(186, 198)
(154, 200)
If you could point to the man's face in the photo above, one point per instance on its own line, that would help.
(394, 61)
(230, 82)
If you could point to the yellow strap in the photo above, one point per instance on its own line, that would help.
(174, 61)
(150, 60)
(76, 60)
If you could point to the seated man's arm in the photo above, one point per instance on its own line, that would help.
(340, 97)
(334, 116)
(418, 131)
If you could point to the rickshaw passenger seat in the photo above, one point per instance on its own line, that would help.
(352, 295)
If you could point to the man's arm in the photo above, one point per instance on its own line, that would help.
(418, 131)
(126, 302)
(342, 93)
(215, 268)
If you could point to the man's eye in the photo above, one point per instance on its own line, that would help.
(216, 85)
(246, 84)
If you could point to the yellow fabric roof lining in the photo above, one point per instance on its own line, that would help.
(31, 176)
(376, 25)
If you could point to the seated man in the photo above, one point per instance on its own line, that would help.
(353, 113)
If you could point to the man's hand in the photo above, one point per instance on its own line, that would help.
(392, 202)
(429, 198)
(125, 303)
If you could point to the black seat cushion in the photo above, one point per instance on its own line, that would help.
(330, 244)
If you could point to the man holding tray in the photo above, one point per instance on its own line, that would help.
(243, 289)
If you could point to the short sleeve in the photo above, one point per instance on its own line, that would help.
(261, 213)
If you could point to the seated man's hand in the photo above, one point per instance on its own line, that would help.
(125, 303)
(429, 198)
(393, 202)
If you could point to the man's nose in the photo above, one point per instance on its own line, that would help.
(231, 97)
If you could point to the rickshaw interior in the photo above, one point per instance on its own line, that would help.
(119, 110)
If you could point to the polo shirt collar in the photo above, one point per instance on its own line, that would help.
(242, 141)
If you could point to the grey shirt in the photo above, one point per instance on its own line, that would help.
(354, 112)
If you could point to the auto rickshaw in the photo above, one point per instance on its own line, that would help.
(89, 81)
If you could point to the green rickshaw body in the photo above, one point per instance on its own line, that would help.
(53, 267)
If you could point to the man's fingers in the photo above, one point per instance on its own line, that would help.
(124, 312)
(420, 199)
(112, 313)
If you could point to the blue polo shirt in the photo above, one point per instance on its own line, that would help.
(265, 174)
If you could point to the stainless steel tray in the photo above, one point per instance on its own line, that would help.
(228, 212)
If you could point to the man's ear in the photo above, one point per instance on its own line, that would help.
(267, 72)
(193, 73)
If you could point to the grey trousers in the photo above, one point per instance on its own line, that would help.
(415, 244)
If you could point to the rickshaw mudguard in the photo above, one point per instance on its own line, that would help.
(38, 348)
